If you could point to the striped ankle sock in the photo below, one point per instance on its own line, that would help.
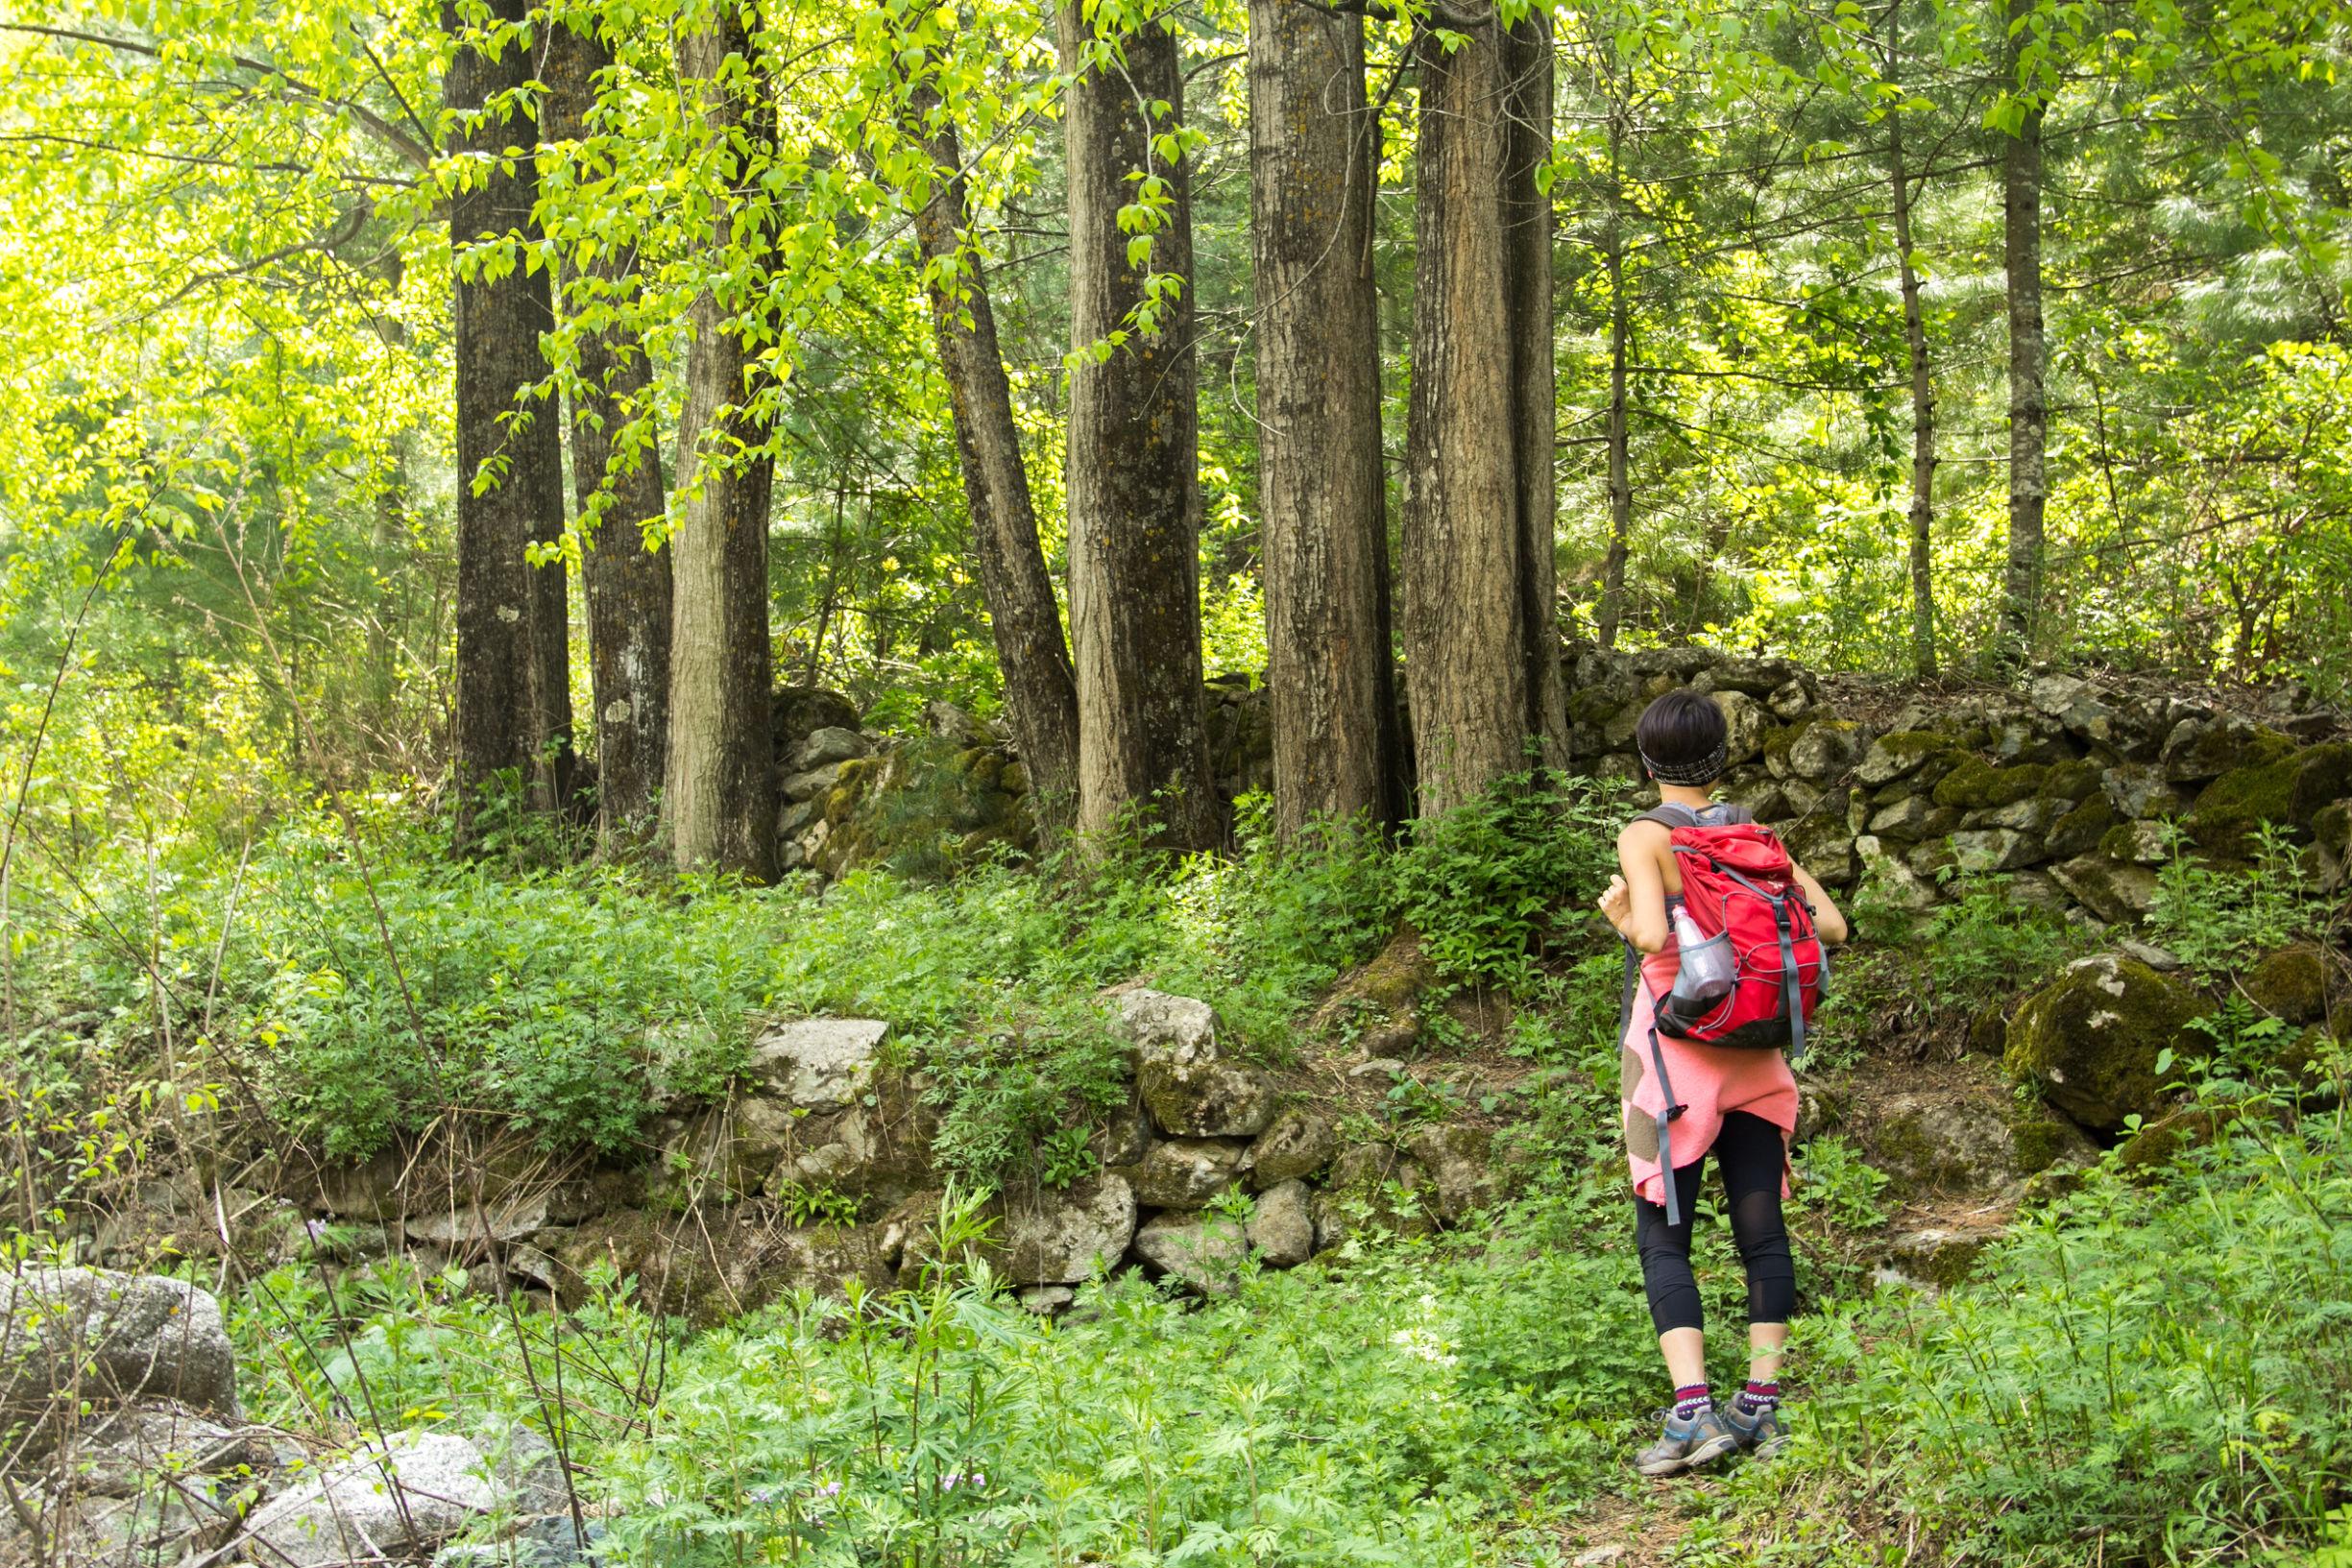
(1691, 1401)
(1760, 1396)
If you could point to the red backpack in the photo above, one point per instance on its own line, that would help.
(1739, 888)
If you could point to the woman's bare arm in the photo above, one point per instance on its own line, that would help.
(1827, 920)
(1635, 902)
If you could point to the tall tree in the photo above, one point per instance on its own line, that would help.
(1921, 515)
(1611, 614)
(1133, 488)
(626, 583)
(1527, 284)
(1022, 616)
(1465, 664)
(1321, 491)
(2021, 199)
(718, 788)
(514, 689)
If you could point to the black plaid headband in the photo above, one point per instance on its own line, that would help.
(1706, 770)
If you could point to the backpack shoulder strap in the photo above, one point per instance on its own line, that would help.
(1666, 815)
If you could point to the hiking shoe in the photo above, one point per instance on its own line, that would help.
(1687, 1443)
(1760, 1433)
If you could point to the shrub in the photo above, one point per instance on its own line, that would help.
(1483, 883)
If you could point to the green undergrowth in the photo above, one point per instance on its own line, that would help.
(358, 984)
(2155, 1368)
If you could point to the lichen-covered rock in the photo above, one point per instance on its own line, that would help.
(1458, 1160)
(1761, 797)
(1298, 1144)
(385, 1503)
(1936, 1256)
(1904, 753)
(1180, 1029)
(1889, 879)
(710, 1264)
(2113, 891)
(1372, 1189)
(2199, 749)
(1185, 1172)
(2090, 1039)
(1069, 1237)
(1823, 846)
(76, 1335)
(1205, 1252)
(2033, 817)
(829, 744)
(2079, 831)
(2139, 790)
(819, 1063)
(1906, 821)
(1745, 722)
(2140, 843)
(1205, 1099)
(1281, 1229)
(1994, 849)
(2166, 1138)
(1940, 1142)
(2290, 792)
(2290, 983)
(1977, 785)
(815, 785)
(1816, 748)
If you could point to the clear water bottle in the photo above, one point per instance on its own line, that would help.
(1707, 971)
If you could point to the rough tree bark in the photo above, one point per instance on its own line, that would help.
(2020, 182)
(1464, 649)
(1321, 492)
(718, 791)
(1612, 613)
(1134, 493)
(1039, 687)
(1527, 281)
(1922, 519)
(513, 693)
(627, 586)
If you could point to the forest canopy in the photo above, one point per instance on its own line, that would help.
(385, 378)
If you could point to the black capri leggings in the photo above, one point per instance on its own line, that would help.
(1751, 1153)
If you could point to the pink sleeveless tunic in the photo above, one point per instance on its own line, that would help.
(1709, 1081)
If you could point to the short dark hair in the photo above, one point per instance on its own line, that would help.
(1683, 738)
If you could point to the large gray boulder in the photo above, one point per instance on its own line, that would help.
(1298, 1144)
(73, 1335)
(1205, 1099)
(1158, 1024)
(1069, 1237)
(2090, 1040)
(819, 1063)
(1204, 1252)
(392, 1501)
(1281, 1230)
(1185, 1172)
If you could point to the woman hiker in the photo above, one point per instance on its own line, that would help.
(1738, 1103)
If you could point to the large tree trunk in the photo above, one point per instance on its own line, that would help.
(1923, 381)
(719, 792)
(627, 586)
(1322, 493)
(1135, 491)
(1527, 271)
(2021, 169)
(1039, 687)
(513, 693)
(1464, 649)
(1612, 616)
